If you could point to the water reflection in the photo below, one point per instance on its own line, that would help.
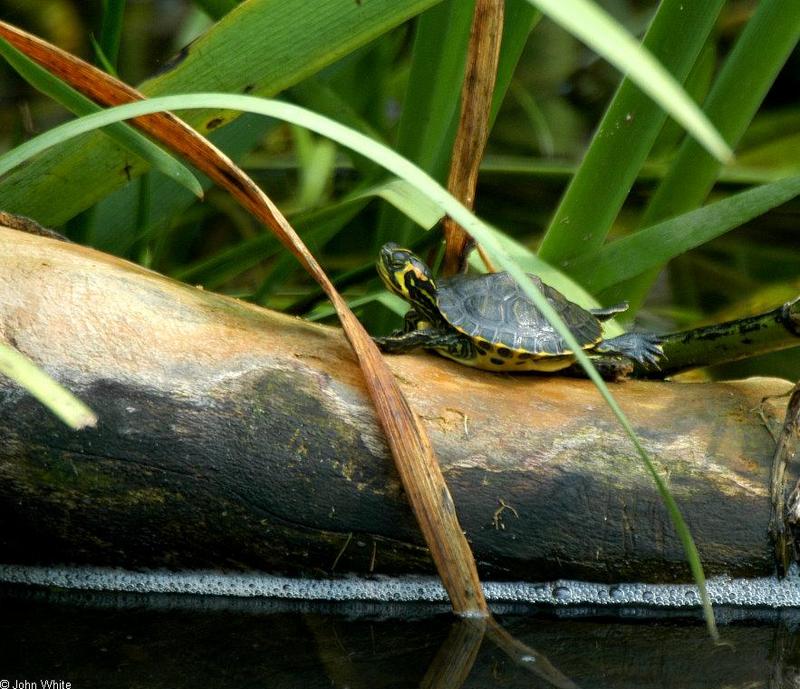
(102, 640)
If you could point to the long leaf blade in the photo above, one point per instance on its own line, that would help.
(278, 44)
(760, 52)
(592, 25)
(432, 96)
(77, 103)
(625, 136)
(653, 246)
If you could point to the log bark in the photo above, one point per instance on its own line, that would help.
(231, 436)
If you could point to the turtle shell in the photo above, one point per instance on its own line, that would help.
(494, 308)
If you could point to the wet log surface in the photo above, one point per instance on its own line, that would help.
(235, 437)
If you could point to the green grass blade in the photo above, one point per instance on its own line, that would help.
(434, 90)
(592, 25)
(321, 97)
(518, 22)
(101, 59)
(316, 160)
(51, 394)
(751, 68)
(113, 224)
(496, 168)
(625, 136)
(697, 84)
(322, 224)
(432, 97)
(278, 44)
(111, 30)
(314, 227)
(759, 53)
(537, 121)
(654, 246)
(417, 178)
(391, 301)
(434, 85)
(408, 200)
(77, 103)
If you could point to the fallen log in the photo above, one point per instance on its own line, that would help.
(231, 436)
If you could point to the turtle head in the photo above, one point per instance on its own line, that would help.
(408, 277)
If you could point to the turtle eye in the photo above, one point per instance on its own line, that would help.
(399, 259)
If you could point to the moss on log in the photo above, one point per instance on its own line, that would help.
(233, 436)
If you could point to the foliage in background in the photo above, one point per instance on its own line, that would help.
(396, 88)
(363, 67)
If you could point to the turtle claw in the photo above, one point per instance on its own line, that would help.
(652, 353)
(643, 348)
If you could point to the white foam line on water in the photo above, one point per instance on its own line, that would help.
(766, 592)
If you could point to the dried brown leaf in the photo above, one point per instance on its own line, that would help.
(416, 463)
(473, 126)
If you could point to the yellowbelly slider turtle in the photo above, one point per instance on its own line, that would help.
(488, 322)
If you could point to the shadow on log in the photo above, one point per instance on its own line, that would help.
(235, 437)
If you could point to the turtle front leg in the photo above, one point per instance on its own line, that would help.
(452, 342)
(405, 341)
(411, 322)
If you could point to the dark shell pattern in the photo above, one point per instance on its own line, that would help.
(494, 307)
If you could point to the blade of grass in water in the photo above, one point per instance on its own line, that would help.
(484, 233)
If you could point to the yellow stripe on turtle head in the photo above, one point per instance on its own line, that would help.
(408, 277)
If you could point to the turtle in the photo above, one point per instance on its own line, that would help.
(487, 321)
